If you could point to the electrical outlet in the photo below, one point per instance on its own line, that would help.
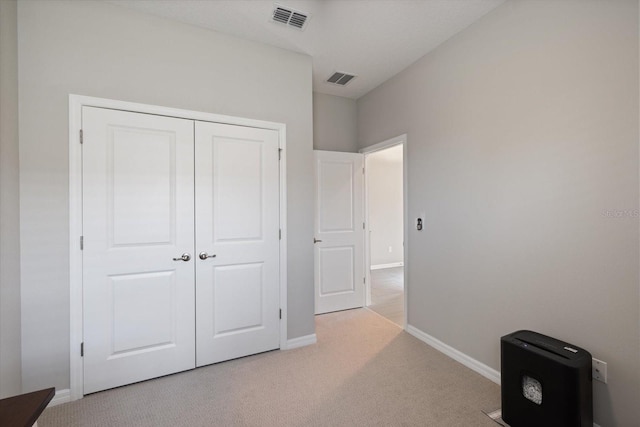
(390, 249)
(599, 370)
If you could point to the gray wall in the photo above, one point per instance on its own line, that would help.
(384, 197)
(334, 123)
(103, 50)
(10, 363)
(523, 152)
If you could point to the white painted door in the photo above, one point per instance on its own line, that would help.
(339, 234)
(237, 223)
(138, 210)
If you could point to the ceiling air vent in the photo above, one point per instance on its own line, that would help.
(340, 78)
(290, 17)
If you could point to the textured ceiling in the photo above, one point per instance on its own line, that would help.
(374, 39)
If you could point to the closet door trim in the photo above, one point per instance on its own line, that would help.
(76, 102)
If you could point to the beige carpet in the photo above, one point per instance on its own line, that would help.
(364, 371)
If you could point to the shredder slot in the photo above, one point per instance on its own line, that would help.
(548, 349)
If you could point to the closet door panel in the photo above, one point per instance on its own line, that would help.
(237, 238)
(138, 210)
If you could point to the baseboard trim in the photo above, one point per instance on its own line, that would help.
(301, 341)
(390, 265)
(62, 396)
(456, 355)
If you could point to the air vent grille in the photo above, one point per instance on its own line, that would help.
(281, 15)
(340, 78)
(290, 17)
(298, 20)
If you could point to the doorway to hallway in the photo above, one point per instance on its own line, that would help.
(384, 214)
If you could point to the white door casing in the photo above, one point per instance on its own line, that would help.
(237, 223)
(137, 217)
(338, 232)
(399, 140)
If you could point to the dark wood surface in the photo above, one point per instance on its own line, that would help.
(24, 410)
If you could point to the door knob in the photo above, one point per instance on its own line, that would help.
(204, 255)
(185, 257)
(316, 240)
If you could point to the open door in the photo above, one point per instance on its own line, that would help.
(339, 231)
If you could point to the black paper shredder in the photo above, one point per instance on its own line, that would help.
(545, 382)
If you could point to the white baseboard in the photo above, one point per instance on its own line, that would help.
(456, 355)
(62, 396)
(390, 265)
(301, 341)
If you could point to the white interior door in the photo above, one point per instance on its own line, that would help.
(237, 222)
(339, 234)
(138, 209)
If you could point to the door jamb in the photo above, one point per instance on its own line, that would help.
(76, 102)
(398, 140)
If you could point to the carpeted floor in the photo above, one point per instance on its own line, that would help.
(387, 293)
(364, 371)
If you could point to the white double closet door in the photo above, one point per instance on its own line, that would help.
(181, 245)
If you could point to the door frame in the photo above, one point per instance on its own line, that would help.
(392, 142)
(76, 102)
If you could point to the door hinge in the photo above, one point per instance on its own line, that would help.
(363, 226)
(279, 153)
(81, 349)
(81, 137)
(364, 280)
(81, 243)
(362, 171)
(280, 234)
(281, 313)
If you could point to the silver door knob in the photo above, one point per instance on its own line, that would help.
(316, 240)
(204, 255)
(185, 257)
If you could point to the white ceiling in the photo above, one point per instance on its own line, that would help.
(374, 39)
